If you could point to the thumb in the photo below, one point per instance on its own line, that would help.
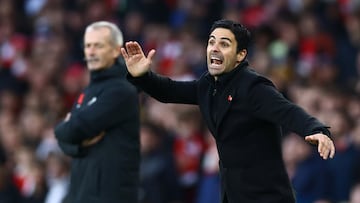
(311, 139)
(151, 54)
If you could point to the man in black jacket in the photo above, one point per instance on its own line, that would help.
(243, 111)
(101, 133)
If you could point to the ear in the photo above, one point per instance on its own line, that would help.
(116, 52)
(241, 55)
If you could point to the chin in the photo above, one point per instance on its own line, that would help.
(95, 67)
(212, 73)
(215, 72)
(92, 68)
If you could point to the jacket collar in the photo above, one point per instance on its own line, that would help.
(118, 69)
(226, 97)
(224, 78)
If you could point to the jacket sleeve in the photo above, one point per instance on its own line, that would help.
(165, 89)
(72, 150)
(269, 104)
(113, 106)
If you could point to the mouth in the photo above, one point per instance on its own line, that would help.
(92, 60)
(216, 60)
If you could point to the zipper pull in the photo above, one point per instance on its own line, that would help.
(214, 92)
(216, 85)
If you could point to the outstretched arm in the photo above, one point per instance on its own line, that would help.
(136, 62)
(277, 109)
(326, 147)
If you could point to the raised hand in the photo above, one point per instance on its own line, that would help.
(136, 62)
(326, 147)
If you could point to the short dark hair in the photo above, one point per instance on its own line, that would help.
(242, 34)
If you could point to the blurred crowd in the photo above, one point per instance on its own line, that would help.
(308, 48)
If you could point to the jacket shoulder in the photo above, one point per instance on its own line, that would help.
(119, 83)
(249, 78)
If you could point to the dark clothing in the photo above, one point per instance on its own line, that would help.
(312, 180)
(342, 171)
(159, 180)
(246, 121)
(109, 170)
(8, 191)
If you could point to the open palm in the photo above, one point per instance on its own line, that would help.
(136, 62)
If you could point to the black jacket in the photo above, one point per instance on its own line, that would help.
(109, 170)
(249, 115)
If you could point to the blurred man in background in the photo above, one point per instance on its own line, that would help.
(101, 133)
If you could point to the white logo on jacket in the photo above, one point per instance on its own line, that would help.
(92, 101)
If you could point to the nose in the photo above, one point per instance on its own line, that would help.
(214, 47)
(90, 50)
(214, 50)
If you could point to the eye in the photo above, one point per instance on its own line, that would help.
(224, 44)
(94, 45)
(97, 45)
(211, 42)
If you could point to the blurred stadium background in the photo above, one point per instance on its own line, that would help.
(308, 48)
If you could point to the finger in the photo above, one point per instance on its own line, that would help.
(151, 54)
(132, 48)
(94, 140)
(324, 148)
(327, 148)
(138, 49)
(332, 152)
(325, 153)
(86, 143)
(98, 138)
(320, 149)
(328, 151)
(129, 48)
(124, 54)
(311, 139)
(331, 147)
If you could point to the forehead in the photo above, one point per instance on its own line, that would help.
(222, 33)
(101, 34)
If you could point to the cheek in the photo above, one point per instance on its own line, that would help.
(107, 58)
(105, 55)
(207, 52)
(86, 52)
(230, 61)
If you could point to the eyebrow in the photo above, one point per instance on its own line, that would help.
(223, 38)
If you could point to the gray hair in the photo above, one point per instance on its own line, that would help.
(116, 34)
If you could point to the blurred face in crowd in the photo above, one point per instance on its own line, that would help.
(100, 51)
(221, 52)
